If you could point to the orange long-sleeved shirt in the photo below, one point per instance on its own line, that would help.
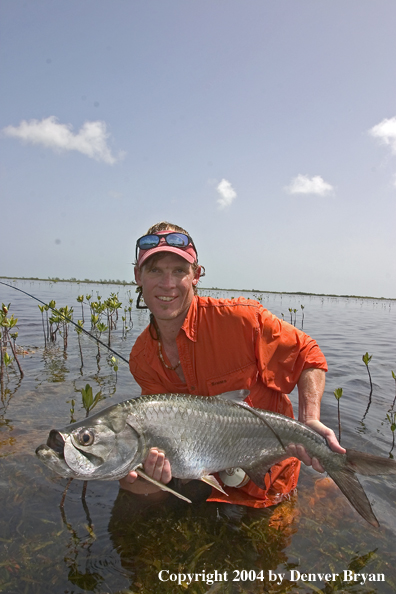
(228, 345)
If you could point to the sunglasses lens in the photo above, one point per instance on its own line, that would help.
(179, 240)
(148, 241)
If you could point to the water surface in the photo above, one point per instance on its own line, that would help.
(117, 543)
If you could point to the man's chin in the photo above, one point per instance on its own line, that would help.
(169, 313)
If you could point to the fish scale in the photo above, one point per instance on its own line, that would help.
(220, 434)
(200, 436)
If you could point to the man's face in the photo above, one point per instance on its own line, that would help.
(168, 286)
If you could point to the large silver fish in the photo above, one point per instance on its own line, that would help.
(200, 436)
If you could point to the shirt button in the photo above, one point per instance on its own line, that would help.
(192, 388)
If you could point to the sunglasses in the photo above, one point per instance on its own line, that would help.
(173, 239)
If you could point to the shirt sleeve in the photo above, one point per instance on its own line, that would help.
(143, 373)
(283, 352)
(147, 384)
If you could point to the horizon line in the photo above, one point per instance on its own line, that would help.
(132, 283)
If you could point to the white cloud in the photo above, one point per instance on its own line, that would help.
(386, 131)
(302, 184)
(90, 139)
(227, 194)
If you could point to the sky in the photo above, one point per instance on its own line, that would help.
(266, 129)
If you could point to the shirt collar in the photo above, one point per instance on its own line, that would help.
(191, 320)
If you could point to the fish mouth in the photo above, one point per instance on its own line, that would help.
(54, 459)
(56, 442)
(61, 456)
(66, 450)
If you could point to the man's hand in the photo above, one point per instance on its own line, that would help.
(310, 391)
(156, 466)
(298, 451)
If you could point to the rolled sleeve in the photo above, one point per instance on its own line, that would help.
(283, 352)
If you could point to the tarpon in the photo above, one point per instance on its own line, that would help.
(200, 436)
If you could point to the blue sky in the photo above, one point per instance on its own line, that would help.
(266, 129)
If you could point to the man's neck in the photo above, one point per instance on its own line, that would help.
(169, 329)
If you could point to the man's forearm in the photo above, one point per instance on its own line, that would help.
(310, 391)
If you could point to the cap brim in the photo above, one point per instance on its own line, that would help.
(188, 254)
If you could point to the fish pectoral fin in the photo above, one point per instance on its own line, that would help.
(213, 482)
(163, 487)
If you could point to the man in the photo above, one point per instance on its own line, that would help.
(205, 346)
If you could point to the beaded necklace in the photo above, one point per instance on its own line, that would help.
(160, 355)
(153, 324)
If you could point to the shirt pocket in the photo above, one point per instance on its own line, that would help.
(243, 378)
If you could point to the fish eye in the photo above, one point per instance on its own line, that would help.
(86, 437)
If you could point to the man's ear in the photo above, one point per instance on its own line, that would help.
(197, 275)
(138, 278)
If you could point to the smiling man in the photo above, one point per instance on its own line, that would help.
(205, 346)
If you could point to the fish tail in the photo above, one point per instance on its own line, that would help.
(369, 465)
(348, 483)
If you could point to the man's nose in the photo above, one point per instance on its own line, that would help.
(167, 279)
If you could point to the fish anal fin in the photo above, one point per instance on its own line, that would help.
(163, 487)
(257, 474)
(213, 482)
(349, 484)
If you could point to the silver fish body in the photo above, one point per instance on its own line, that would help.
(200, 436)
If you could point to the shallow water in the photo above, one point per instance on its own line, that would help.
(117, 543)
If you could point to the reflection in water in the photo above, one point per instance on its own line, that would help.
(171, 536)
(7, 393)
(55, 363)
(84, 578)
(7, 440)
(159, 539)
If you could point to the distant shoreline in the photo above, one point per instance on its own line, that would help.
(133, 284)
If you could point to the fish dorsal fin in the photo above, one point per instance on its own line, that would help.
(213, 482)
(236, 396)
(256, 412)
